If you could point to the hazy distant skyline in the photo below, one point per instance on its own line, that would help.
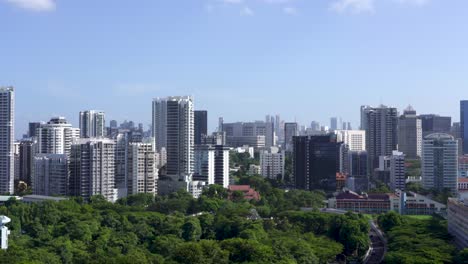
(240, 59)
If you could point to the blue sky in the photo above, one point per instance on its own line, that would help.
(240, 59)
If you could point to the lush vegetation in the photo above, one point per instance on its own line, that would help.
(180, 229)
(418, 241)
(439, 196)
(413, 167)
(242, 161)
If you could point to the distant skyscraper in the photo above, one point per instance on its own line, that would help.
(439, 164)
(56, 136)
(381, 132)
(92, 124)
(315, 126)
(113, 124)
(142, 174)
(316, 162)
(92, 170)
(33, 126)
(50, 175)
(220, 124)
(334, 123)
(290, 131)
(238, 134)
(435, 124)
(397, 171)
(201, 126)
(410, 134)
(7, 135)
(464, 124)
(357, 164)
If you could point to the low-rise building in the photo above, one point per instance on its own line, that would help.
(248, 192)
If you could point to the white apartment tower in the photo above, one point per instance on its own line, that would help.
(397, 171)
(272, 163)
(355, 139)
(212, 164)
(92, 124)
(7, 134)
(56, 136)
(92, 169)
(142, 174)
(439, 162)
(50, 174)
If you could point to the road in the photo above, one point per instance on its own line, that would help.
(378, 246)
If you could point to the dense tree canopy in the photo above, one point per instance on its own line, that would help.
(179, 229)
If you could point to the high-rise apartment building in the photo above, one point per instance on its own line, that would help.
(92, 168)
(27, 150)
(397, 171)
(290, 131)
(316, 162)
(354, 139)
(272, 163)
(159, 120)
(56, 136)
(464, 125)
(92, 124)
(7, 135)
(410, 134)
(50, 175)
(439, 162)
(380, 124)
(142, 174)
(201, 126)
(212, 164)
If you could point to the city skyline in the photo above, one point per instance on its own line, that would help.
(225, 54)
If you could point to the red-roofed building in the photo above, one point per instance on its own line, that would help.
(248, 192)
(463, 184)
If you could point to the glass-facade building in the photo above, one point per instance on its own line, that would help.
(464, 124)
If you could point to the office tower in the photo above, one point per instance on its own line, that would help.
(397, 171)
(50, 175)
(290, 131)
(113, 124)
(363, 112)
(7, 135)
(354, 139)
(279, 127)
(435, 124)
(201, 126)
(142, 174)
(334, 123)
(159, 126)
(315, 126)
(216, 138)
(180, 137)
(92, 169)
(33, 126)
(220, 124)
(212, 164)
(316, 162)
(92, 124)
(348, 126)
(344, 126)
(56, 136)
(381, 132)
(357, 163)
(272, 163)
(27, 150)
(464, 124)
(251, 133)
(455, 130)
(439, 164)
(410, 133)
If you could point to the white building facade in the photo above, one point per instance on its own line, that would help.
(272, 163)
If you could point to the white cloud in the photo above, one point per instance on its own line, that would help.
(246, 11)
(354, 6)
(290, 10)
(34, 5)
(232, 1)
(414, 2)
